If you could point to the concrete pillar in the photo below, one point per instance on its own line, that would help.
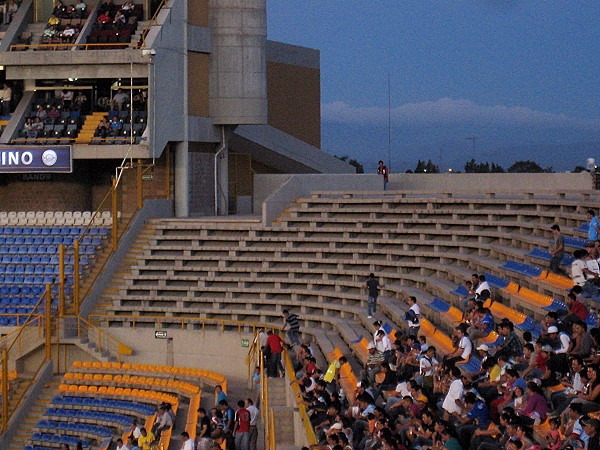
(223, 182)
(182, 180)
(238, 67)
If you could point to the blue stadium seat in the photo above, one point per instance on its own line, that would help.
(439, 305)
(36, 231)
(575, 242)
(524, 269)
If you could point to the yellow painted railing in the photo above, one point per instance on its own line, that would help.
(151, 22)
(102, 341)
(289, 369)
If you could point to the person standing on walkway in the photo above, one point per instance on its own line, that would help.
(413, 317)
(373, 287)
(594, 226)
(292, 321)
(275, 349)
(254, 415)
(384, 171)
(558, 250)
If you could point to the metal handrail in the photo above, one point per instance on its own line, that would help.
(308, 428)
(153, 21)
(100, 318)
(54, 46)
(104, 340)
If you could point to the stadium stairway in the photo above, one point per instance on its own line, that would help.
(284, 423)
(89, 128)
(34, 415)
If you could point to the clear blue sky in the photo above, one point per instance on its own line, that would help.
(524, 76)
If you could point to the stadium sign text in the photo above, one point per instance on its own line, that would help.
(36, 159)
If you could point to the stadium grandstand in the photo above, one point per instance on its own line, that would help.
(182, 266)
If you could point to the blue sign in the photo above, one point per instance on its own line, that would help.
(36, 159)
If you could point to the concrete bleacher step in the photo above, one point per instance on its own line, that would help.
(34, 414)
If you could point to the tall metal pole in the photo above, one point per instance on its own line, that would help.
(115, 230)
(48, 322)
(76, 276)
(389, 161)
(4, 389)
(61, 280)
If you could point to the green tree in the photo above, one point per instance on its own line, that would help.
(527, 167)
(353, 162)
(426, 167)
(484, 167)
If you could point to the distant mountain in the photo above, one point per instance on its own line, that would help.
(448, 146)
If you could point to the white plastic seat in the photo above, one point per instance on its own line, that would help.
(21, 221)
(105, 214)
(107, 221)
(21, 215)
(59, 221)
(86, 214)
(50, 221)
(78, 221)
(3, 215)
(68, 214)
(49, 214)
(31, 221)
(30, 215)
(58, 214)
(40, 214)
(3, 221)
(76, 214)
(69, 221)
(12, 215)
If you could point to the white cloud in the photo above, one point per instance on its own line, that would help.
(451, 111)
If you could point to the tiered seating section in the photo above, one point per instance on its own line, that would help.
(98, 401)
(131, 128)
(29, 259)
(56, 125)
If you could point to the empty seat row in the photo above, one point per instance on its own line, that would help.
(57, 439)
(80, 428)
(104, 403)
(89, 250)
(49, 214)
(42, 259)
(35, 270)
(131, 380)
(49, 240)
(52, 231)
(99, 416)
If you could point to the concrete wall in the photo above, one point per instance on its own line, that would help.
(212, 350)
(294, 88)
(238, 85)
(274, 192)
(166, 80)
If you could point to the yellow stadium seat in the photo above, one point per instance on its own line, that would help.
(127, 391)
(83, 388)
(118, 378)
(63, 387)
(107, 378)
(92, 389)
(88, 376)
(77, 364)
(106, 365)
(490, 338)
(119, 391)
(125, 366)
(68, 376)
(86, 364)
(97, 377)
(110, 390)
(97, 365)
(102, 390)
(512, 288)
(115, 366)
(427, 328)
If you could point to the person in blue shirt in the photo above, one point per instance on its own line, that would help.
(483, 326)
(594, 226)
(478, 417)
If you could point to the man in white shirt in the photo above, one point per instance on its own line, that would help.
(561, 340)
(188, 442)
(121, 446)
(164, 422)
(464, 349)
(254, 415)
(414, 322)
(382, 342)
(482, 286)
(452, 402)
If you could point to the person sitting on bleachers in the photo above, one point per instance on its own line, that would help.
(48, 34)
(580, 272)
(28, 128)
(581, 341)
(54, 20)
(80, 10)
(119, 21)
(164, 421)
(463, 350)
(119, 100)
(127, 6)
(116, 125)
(53, 113)
(483, 324)
(40, 112)
(68, 34)
(37, 127)
(511, 345)
(103, 20)
(576, 311)
(11, 9)
(59, 11)
(146, 438)
(103, 128)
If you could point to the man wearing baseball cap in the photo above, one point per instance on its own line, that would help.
(560, 341)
